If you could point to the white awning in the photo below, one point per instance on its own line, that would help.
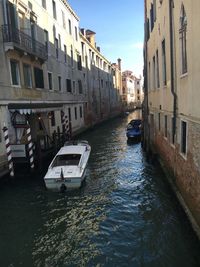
(36, 110)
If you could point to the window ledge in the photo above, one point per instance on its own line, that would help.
(172, 145)
(184, 75)
(184, 156)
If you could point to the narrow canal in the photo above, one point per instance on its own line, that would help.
(124, 215)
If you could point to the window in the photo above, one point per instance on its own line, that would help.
(157, 70)
(75, 113)
(54, 31)
(68, 85)
(183, 43)
(76, 33)
(147, 29)
(159, 121)
(63, 20)
(14, 66)
(164, 63)
(59, 41)
(30, 6)
(52, 116)
(54, 9)
(154, 9)
(70, 26)
(56, 45)
(39, 79)
(80, 88)
(104, 66)
(50, 80)
(59, 83)
(173, 130)
(72, 56)
(79, 63)
(74, 86)
(44, 4)
(152, 17)
(154, 73)
(90, 55)
(82, 49)
(183, 137)
(65, 53)
(81, 112)
(27, 76)
(166, 126)
(97, 61)
(149, 75)
(102, 83)
(46, 40)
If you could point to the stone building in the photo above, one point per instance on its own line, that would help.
(171, 83)
(132, 95)
(101, 81)
(52, 76)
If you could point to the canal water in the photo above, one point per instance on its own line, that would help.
(124, 215)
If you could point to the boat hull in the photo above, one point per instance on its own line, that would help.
(58, 184)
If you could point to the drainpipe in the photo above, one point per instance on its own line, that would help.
(172, 63)
(146, 132)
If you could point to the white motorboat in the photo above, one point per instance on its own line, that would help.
(68, 168)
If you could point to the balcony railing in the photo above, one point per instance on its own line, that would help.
(23, 42)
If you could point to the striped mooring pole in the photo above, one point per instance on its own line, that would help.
(67, 126)
(30, 146)
(8, 151)
(65, 123)
(63, 120)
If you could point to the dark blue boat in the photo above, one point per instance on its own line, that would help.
(133, 130)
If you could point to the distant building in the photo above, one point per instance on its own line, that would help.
(102, 87)
(171, 104)
(132, 95)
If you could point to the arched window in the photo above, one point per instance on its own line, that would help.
(183, 40)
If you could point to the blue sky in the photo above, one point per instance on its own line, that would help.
(118, 26)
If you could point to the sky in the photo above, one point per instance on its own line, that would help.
(119, 29)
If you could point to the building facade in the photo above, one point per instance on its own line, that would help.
(101, 81)
(171, 83)
(132, 94)
(52, 78)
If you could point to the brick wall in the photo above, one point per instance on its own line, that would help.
(186, 171)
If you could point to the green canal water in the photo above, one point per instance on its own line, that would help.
(124, 215)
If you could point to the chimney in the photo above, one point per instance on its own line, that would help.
(83, 31)
(90, 35)
(119, 63)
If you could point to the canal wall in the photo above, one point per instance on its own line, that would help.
(182, 173)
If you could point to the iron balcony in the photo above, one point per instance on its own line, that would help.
(24, 42)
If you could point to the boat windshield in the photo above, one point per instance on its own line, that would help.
(66, 160)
